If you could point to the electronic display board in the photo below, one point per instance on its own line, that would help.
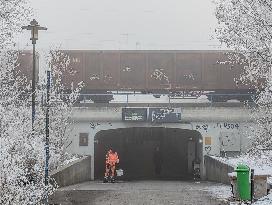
(134, 114)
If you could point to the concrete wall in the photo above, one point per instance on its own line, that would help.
(216, 170)
(212, 133)
(190, 113)
(73, 173)
(211, 122)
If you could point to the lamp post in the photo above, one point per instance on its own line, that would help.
(34, 27)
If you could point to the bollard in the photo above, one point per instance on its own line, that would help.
(252, 185)
(243, 182)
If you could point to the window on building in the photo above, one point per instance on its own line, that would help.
(83, 139)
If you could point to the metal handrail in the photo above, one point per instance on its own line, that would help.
(127, 94)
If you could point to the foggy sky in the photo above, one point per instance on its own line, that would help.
(124, 24)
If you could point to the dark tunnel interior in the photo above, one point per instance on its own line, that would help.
(149, 153)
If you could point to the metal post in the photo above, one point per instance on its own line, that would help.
(127, 100)
(252, 185)
(47, 137)
(33, 86)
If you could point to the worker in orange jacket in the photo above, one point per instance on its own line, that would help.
(111, 160)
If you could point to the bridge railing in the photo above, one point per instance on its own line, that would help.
(131, 97)
(165, 98)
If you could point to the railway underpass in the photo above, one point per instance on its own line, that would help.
(199, 130)
(136, 147)
(202, 130)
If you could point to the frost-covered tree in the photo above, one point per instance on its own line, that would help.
(245, 26)
(15, 137)
(13, 14)
(61, 104)
(22, 154)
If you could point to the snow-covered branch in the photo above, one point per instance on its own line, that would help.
(246, 27)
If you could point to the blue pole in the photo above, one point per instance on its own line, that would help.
(47, 137)
(33, 87)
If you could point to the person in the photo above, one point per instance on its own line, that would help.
(111, 160)
(157, 159)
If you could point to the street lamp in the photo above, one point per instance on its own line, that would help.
(34, 27)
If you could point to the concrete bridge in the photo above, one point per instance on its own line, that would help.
(185, 133)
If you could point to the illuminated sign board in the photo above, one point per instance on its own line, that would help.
(134, 114)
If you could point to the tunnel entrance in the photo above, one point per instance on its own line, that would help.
(149, 153)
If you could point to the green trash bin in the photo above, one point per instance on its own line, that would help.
(243, 181)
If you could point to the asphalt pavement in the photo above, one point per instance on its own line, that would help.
(139, 193)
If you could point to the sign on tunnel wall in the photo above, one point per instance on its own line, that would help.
(164, 115)
(159, 115)
(134, 114)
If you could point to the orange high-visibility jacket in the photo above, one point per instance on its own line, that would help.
(112, 158)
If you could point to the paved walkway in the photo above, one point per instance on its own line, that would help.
(138, 193)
